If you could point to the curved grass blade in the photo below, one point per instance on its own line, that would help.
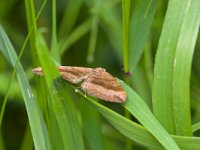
(38, 127)
(62, 105)
(137, 107)
(164, 64)
(182, 68)
(140, 27)
(138, 133)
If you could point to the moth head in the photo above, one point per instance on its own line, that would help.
(38, 71)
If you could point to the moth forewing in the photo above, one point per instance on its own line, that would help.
(74, 74)
(103, 85)
(104, 94)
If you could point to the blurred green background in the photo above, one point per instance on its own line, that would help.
(90, 33)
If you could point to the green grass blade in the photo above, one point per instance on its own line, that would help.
(94, 31)
(38, 128)
(14, 88)
(137, 107)
(66, 42)
(164, 64)
(55, 134)
(137, 132)
(31, 23)
(27, 140)
(182, 68)
(69, 17)
(112, 27)
(54, 43)
(196, 127)
(129, 128)
(187, 143)
(126, 27)
(140, 85)
(62, 105)
(91, 122)
(140, 27)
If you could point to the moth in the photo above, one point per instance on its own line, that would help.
(96, 82)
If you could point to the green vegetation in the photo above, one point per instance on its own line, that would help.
(151, 46)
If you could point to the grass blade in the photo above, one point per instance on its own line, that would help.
(54, 43)
(38, 128)
(137, 132)
(137, 107)
(94, 31)
(140, 27)
(62, 105)
(164, 64)
(69, 17)
(91, 126)
(112, 27)
(81, 30)
(182, 68)
(126, 27)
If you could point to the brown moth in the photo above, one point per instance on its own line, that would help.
(95, 82)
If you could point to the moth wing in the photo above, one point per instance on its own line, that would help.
(74, 74)
(103, 85)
